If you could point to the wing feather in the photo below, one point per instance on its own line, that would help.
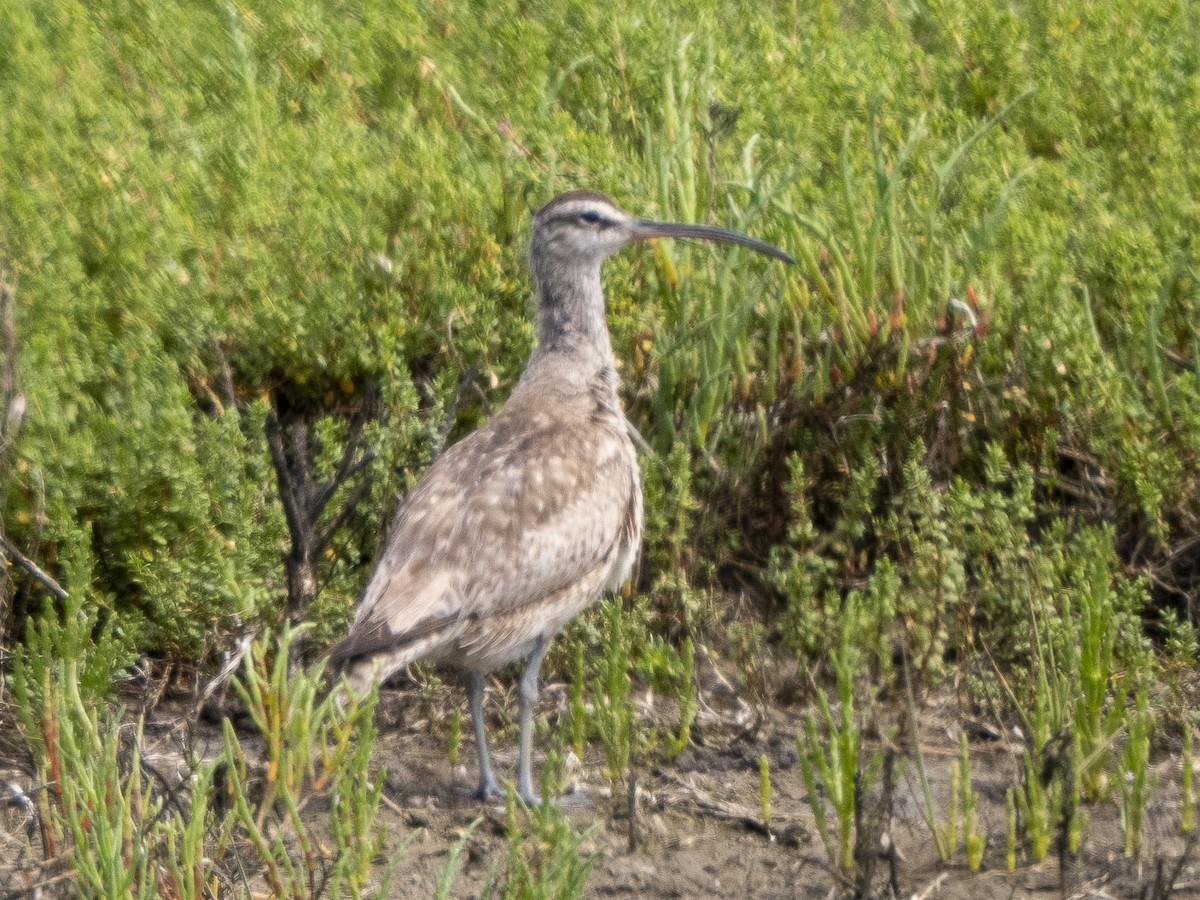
(518, 510)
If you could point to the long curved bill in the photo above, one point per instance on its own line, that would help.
(648, 228)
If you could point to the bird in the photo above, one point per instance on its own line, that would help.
(528, 520)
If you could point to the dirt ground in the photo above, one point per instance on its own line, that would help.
(699, 834)
(697, 829)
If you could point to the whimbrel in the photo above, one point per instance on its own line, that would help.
(524, 523)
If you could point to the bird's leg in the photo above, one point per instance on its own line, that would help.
(487, 780)
(527, 693)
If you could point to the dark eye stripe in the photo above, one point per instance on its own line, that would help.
(587, 216)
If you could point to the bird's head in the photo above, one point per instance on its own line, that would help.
(586, 227)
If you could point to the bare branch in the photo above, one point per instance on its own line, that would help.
(287, 491)
(231, 397)
(293, 445)
(300, 462)
(346, 467)
(344, 473)
(356, 496)
(349, 466)
(32, 568)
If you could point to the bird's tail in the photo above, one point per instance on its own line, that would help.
(371, 652)
(355, 680)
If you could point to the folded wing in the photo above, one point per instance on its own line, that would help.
(515, 512)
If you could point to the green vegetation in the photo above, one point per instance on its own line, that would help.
(546, 859)
(837, 770)
(1138, 784)
(1010, 821)
(130, 833)
(446, 877)
(250, 242)
(455, 737)
(614, 711)
(105, 815)
(314, 742)
(974, 840)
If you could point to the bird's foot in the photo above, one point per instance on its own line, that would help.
(489, 790)
(530, 799)
(525, 791)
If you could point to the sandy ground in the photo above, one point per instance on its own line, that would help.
(697, 828)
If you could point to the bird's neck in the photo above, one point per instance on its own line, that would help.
(570, 314)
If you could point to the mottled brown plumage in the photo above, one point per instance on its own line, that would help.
(524, 523)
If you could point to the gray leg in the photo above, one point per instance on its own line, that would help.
(528, 694)
(487, 780)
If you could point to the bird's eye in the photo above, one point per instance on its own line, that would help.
(590, 216)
